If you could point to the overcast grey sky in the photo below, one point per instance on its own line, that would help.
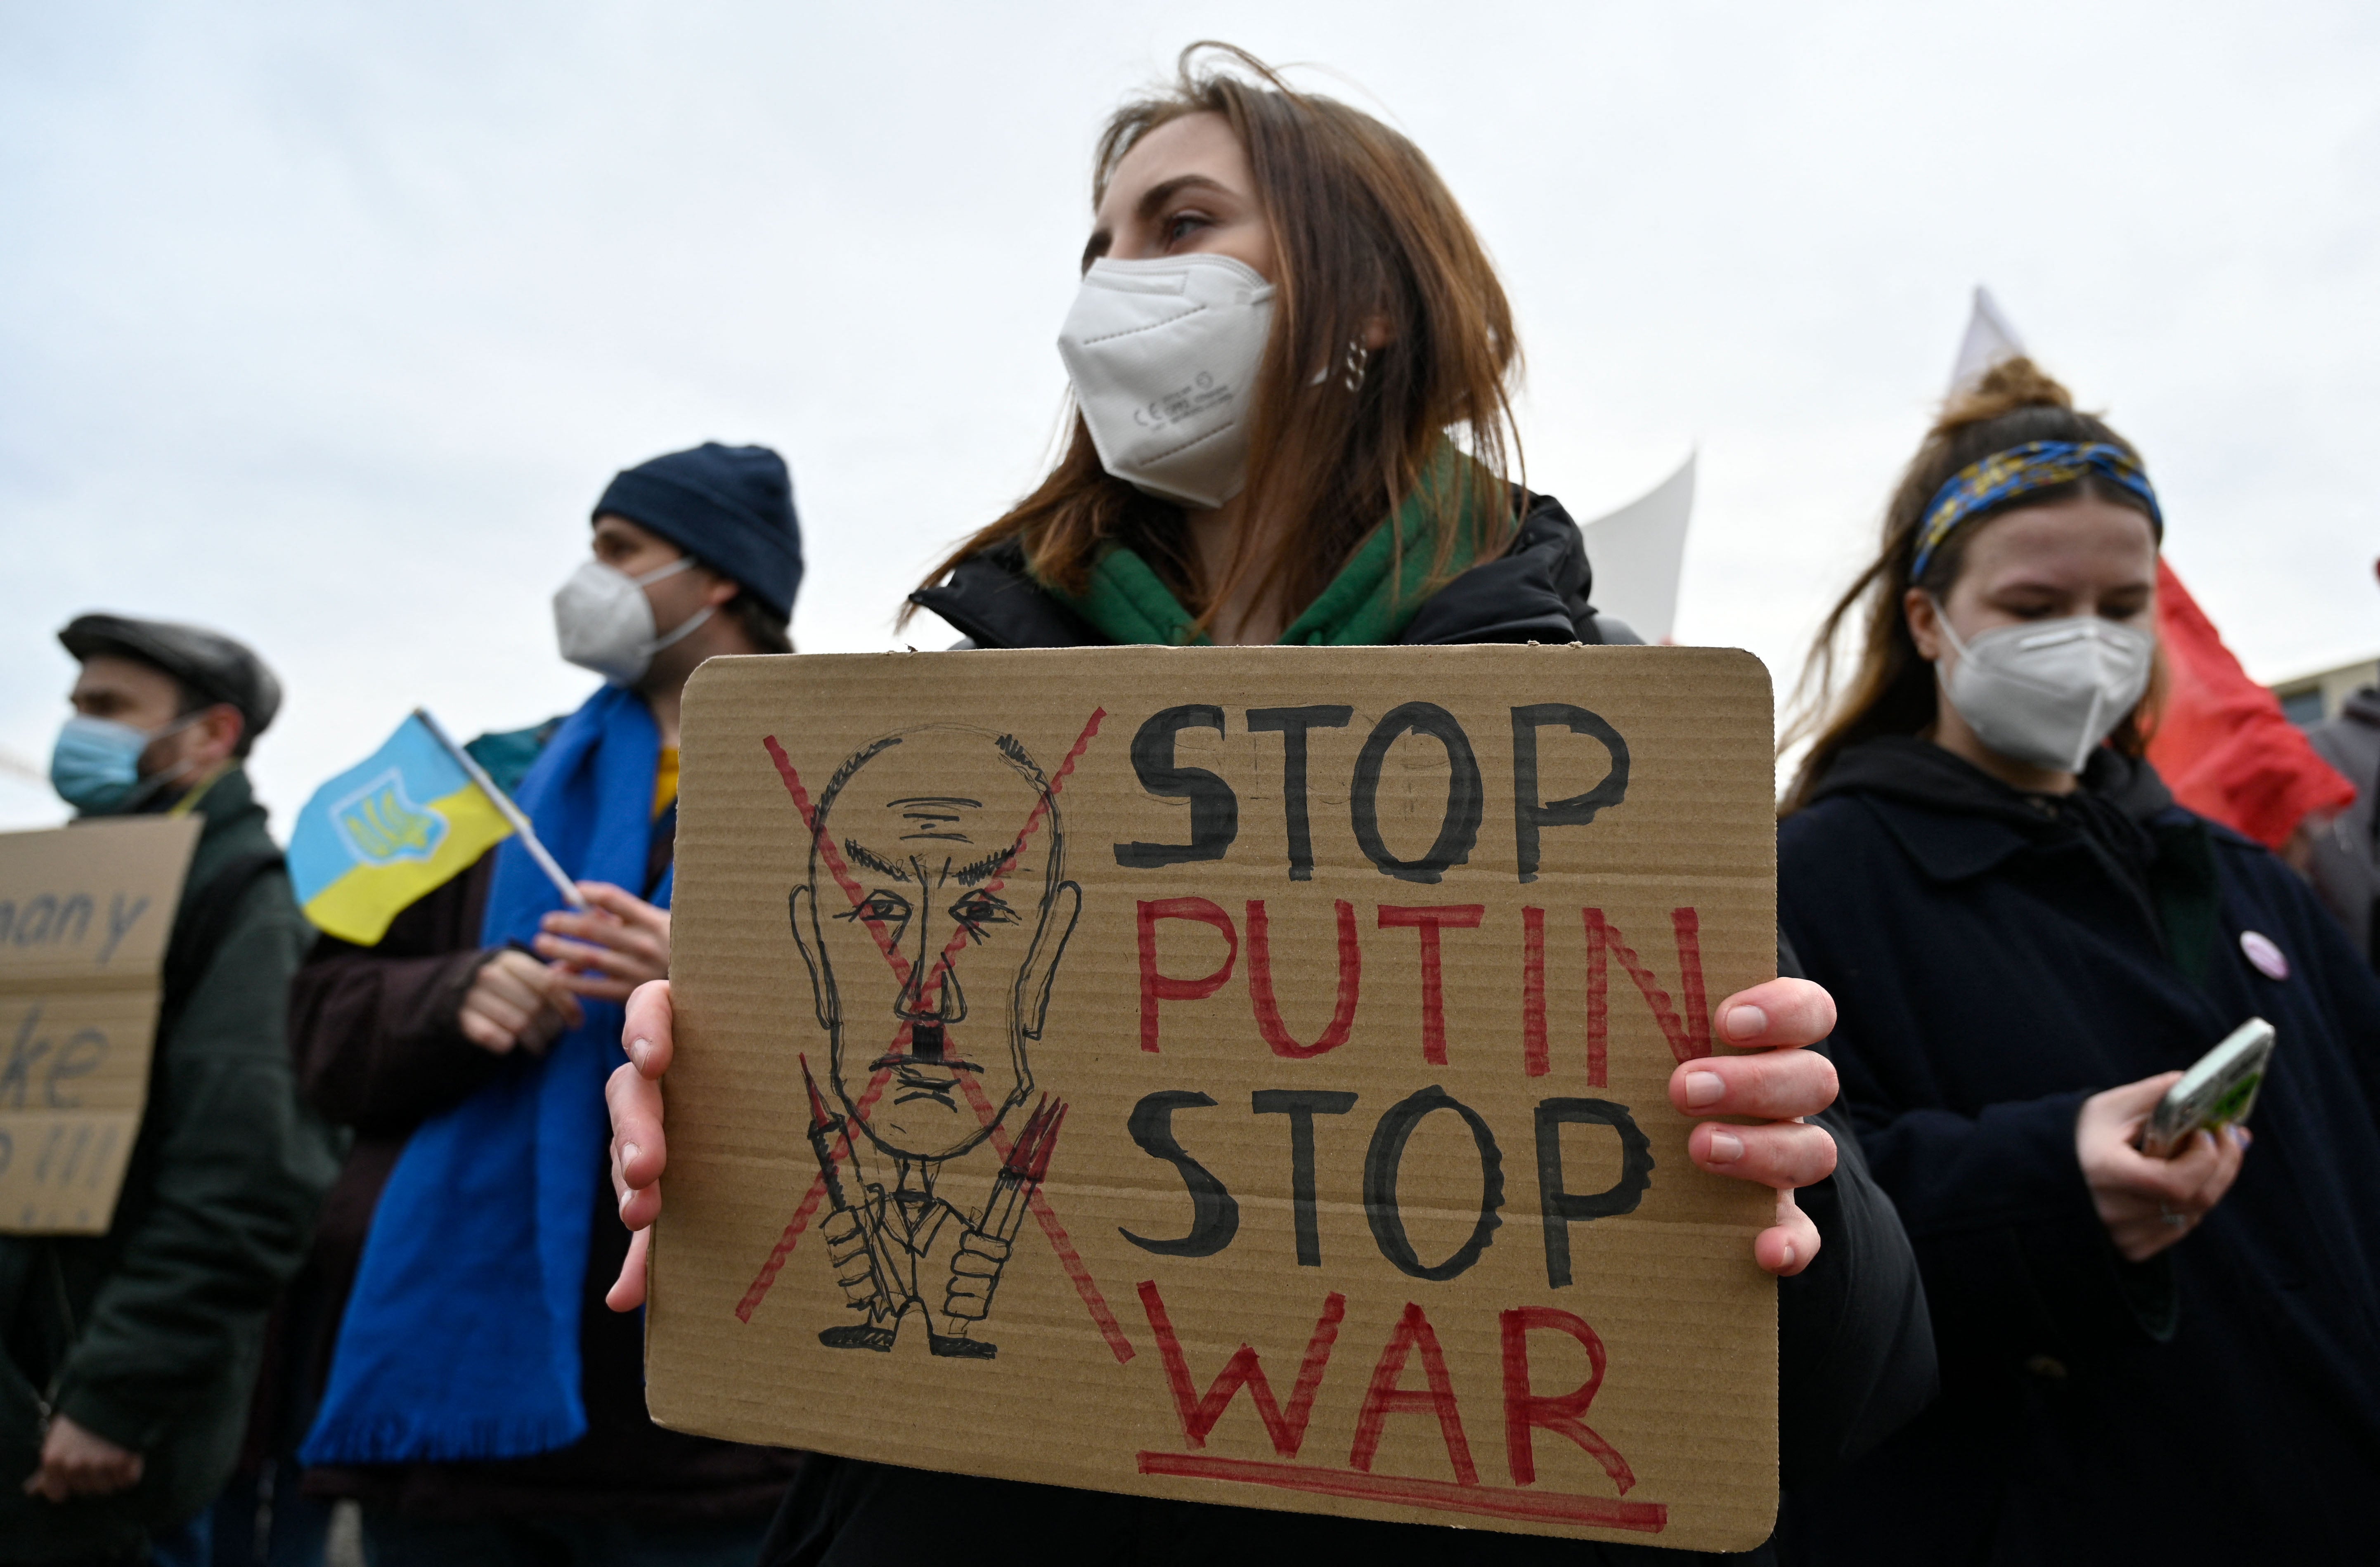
(325, 323)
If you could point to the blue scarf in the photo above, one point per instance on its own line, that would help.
(461, 1337)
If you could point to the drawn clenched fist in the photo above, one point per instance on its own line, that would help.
(847, 1253)
(974, 1270)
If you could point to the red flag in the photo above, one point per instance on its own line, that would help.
(2223, 745)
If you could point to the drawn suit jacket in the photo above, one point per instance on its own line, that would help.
(919, 1259)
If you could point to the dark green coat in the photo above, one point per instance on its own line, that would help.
(149, 1335)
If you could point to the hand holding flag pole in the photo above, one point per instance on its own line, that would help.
(505, 807)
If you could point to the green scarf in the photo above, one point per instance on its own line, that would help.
(1372, 599)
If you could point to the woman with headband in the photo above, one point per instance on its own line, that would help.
(1319, 452)
(2142, 1359)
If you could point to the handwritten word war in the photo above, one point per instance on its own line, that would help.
(1525, 1411)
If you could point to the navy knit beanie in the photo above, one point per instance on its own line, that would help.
(730, 507)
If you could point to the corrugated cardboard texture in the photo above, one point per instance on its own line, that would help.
(1290, 1247)
(84, 917)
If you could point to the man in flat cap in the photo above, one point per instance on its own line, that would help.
(129, 1358)
(479, 1410)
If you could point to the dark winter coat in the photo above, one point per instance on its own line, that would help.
(381, 1049)
(1535, 592)
(1993, 967)
(149, 1335)
(1856, 1358)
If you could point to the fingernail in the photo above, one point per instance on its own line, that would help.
(1704, 1088)
(623, 1202)
(1790, 1255)
(628, 1152)
(1745, 1023)
(636, 1048)
(2244, 1135)
(1726, 1147)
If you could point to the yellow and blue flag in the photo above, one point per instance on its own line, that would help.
(388, 829)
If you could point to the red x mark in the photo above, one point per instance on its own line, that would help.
(1084, 1286)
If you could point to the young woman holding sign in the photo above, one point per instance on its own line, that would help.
(2144, 1359)
(1334, 477)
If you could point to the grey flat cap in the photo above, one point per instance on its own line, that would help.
(207, 662)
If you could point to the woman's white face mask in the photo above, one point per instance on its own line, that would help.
(605, 622)
(1163, 355)
(2047, 691)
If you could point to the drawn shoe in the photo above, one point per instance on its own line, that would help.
(960, 1349)
(859, 1335)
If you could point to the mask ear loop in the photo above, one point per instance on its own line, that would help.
(148, 788)
(683, 563)
(1942, 619)
(692, 623)
(686, 629)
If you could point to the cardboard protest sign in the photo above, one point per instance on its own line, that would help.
(1233, 1075)
(85, 912)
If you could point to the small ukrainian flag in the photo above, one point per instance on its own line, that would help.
(412, 817)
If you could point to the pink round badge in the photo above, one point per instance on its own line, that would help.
(2263, 954)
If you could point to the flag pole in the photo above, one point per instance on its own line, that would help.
(504, 807)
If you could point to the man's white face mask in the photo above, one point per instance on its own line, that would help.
(1163, 355)
(605, 622)
(2048, 692)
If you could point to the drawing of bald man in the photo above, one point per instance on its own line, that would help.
(931, 922)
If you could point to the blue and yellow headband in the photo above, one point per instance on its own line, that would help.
(2036, 465)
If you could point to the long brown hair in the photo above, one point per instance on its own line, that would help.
(1365, 229)
(1893, 691)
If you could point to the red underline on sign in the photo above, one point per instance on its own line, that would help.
(1443, 1496)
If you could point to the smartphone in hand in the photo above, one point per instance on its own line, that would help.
(2219, 1090)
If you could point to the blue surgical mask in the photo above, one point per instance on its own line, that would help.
(95, 766)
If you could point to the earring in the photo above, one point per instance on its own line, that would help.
(1350, 369)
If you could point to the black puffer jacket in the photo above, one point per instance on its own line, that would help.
(1535, 592)
(1857, 1357)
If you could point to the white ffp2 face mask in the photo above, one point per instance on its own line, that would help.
(604, 623)
(2048, 692)
(1163, 355)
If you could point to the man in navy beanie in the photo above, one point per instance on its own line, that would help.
(467, 1036)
